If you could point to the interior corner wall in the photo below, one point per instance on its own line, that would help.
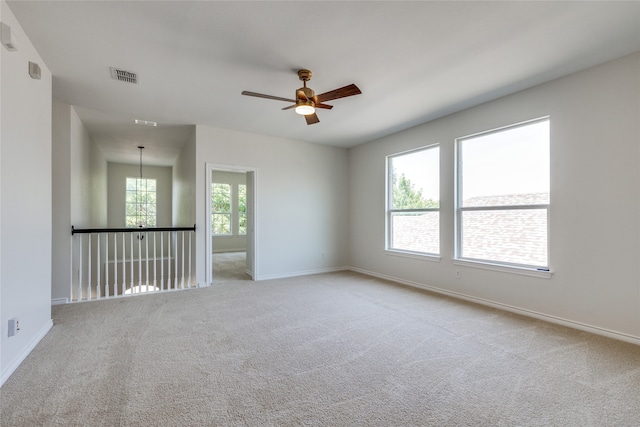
(88, 172)
(25, 199)
(184, 184)
(98, 182)
(594, 217)
(301, 200)
(61, 201)
(79, 185)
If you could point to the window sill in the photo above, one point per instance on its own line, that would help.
(523, 271)
(414, 255)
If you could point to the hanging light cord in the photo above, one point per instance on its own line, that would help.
(140, 147)
(140, 235)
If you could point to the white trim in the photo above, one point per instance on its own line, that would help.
(222, 251)
(459, 209)
(415, 255)
(209, 168)
(59, 301)
(504, 268)
(11, 368)
(510, 308)
(505, 127)
(389, 211)
(304, 273)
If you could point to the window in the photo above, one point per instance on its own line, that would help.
(242, 209)
(221, 209)
(503, 196)
(140, 202)
(413, 201)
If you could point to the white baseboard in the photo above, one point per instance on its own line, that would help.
(10, 369)
(302, 273)
(229, 250)
(59, 301)
(513, 309)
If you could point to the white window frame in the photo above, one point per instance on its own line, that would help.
(137, 204)
(229, 214)
(389, 211)
(241, 214)
(525, 269)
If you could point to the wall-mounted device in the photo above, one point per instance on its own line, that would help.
(7, 38)
(34, 70)
(14, 326)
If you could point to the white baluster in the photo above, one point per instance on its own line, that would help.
(182, 278)
(131, 261)
(71, 269)
(139, 263)
(162, 260)
(146, 257)
(155, 266)
(89, 269)
(175, 259)
(98, 267)
(169, 280)
(190, 258)
(79, 296)
(115, 264)
(106, 265)
(124, 264)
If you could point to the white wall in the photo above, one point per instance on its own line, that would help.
(301, 200)
(184, 184)
(61, 202)
(184, 197)
(98, 173)
(117, 179)
(88, 178)
(25, 199)
(79, 177)
(234, 242)
(595, 202)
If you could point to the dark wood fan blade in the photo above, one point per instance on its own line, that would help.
(325, 106)
(289, 107)
(312, 119)
(261, 95)
(342, 92)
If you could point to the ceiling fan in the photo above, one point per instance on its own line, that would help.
(307, 101)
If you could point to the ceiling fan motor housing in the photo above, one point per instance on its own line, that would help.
(304, 75)
(307, 92)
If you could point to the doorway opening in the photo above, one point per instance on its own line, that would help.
(231, 214)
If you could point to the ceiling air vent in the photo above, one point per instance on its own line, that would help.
(123, 76)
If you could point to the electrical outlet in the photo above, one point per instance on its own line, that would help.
(458, 274)
(14, 326)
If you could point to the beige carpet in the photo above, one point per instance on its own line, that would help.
(338, 349)
(229, 266)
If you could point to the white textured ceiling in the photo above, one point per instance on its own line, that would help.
(414, 61)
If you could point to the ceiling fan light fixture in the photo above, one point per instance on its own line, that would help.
(304, 108)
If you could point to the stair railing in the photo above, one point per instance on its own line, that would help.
(118, 262)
